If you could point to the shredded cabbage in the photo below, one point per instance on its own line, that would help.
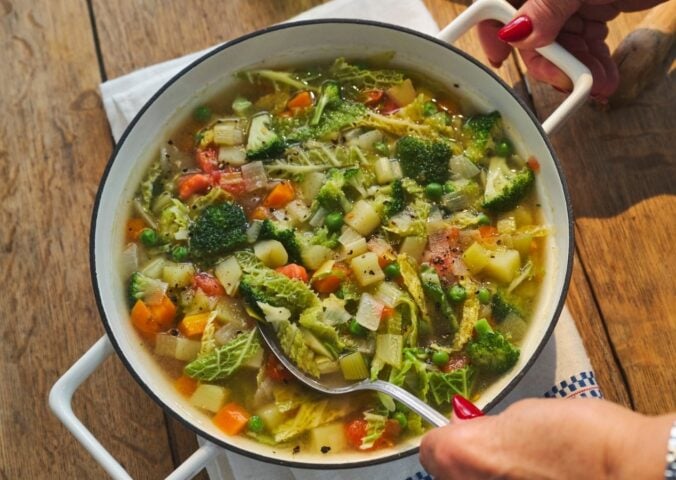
(225, 360)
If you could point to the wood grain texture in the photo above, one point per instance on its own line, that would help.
(621, 169)
(53, 146)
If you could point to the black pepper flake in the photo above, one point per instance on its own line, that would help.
(371, 272)
(296, 449)
(173, 332)
(170, 142)
(185, 170)
(350, 252)
(325, 449)
(456, 85)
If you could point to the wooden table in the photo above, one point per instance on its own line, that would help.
(55, 141)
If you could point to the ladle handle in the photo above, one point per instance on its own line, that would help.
(502, 11)
(428, 413)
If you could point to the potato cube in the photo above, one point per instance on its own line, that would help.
(209, 397)
(366, 269)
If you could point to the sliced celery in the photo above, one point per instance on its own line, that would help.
(353, 366)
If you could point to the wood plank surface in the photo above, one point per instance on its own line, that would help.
(621, 169)
(53, 145)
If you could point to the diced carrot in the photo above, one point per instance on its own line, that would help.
(134, 228)
(163, 312)
(293, 270)
(327, 284)
(300, 100)
(533, 163)
(142, 318)
(355, 431)
(387, 312)
(208, 284)
(232, 418)
(193, 325)
(207, 159)
(487, 231)
(260, 213)
(185, 385)
(282, 194)
(191, 184)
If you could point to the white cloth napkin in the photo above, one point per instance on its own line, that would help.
(563, 369)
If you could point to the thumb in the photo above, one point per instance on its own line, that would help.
(538, 22)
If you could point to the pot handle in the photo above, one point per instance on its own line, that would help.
(503, 12)
(60, 398)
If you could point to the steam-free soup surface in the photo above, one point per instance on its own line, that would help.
(379, 228)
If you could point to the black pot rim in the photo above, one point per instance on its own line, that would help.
(92, 261)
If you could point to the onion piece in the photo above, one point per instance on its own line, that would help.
(463, 167)
(232, 155)
(369, 312)
(129, 260)
(388, 293)
(254, 176)
(318, 218)
(253, 231)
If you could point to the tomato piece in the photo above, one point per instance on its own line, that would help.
(208, 284)
(355, 431)
(207, 159)
(372, 97)
(276, 371)
(191, 184)
(389, 106)
(488, 231)
(387, 312)
(456, 362)
(301, 100)
(533, 164)
(295, 271)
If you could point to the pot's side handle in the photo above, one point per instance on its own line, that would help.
(502, 11)
(60, 399)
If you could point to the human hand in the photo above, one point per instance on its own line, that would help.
(578, 25)
(548, 438)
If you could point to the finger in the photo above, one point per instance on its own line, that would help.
(538, 22)
(598, 13)
(636, 5)
(586, 28)
(600, 50)
(545, 71)
(496, 50)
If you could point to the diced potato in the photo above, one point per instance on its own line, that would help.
(180, 348)
(229, 274)
(201, 302)
(476, 257)
(298, 212)
(228, 134)
(503, 265)
(522, 215)
(366, 269)
(210, 397)
(522, 243)
(314, 256)
(310, 185)
(353, 243)
(329, 438)
(414, 247)
(271, 252)
(235, 156)
(402, 94)
(255, 361)
(384, 173)
(363, 218)
(506, 224)
(178, 274)
(271, 416)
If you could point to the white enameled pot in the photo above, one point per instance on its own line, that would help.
(313, 41)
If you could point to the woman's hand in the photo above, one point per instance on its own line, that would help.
(547, 438)
(578, 25)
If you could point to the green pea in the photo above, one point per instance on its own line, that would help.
(448, 187)
(483, 219)
(504, 148)
(356, 329)
(179, 253)
(434, 191)
(484, 295)
(202, 113)
(255, 424)
(429, 109)
(401, 419)
(334, 221)
(457, 293)
(149, 237)
(381, 148)
(440, 358)
(392, 270)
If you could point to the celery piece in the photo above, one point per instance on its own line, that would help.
(389, 348)
(353, 366)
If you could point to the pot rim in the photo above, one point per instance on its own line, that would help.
(337, 466)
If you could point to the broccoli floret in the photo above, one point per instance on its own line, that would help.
(505, 187)
(490, 351)
(219, 229)
(329, 97)
(263, 142)
(482, 131)
(323, 237)
(140, 286)
(501, 307)
(397, 200)
(423, 160)
(331, 195)
(286, 236)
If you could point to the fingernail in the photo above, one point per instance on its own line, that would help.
(562, 90)
(518, 29)
(464, 409)
(495, 64)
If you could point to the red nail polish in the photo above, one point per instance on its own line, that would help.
(495, 64)
(562, 90)
(464, 409)
(518, 29)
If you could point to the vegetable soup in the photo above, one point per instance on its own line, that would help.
(383, 229)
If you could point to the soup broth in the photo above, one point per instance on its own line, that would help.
(380, 226)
